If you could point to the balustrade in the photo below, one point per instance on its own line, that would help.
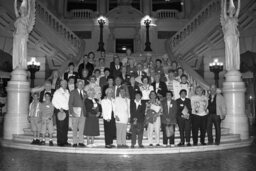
(165, 14)
(201, 17)
(82, 14)
(56, 24)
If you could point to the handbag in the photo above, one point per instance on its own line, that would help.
(61, 115)
(169, 130)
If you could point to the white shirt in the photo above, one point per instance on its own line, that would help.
(116, 87)
(60, 99)
(122, 109)
(107, 108)
(146, 91)
(137, 103)
(157, 87)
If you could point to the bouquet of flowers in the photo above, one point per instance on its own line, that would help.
(185, 113)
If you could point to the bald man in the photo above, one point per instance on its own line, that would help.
(217, 112)
(60, 102)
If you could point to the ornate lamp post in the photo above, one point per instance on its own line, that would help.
(216, 67)
(101, 20)
(147, 21)
(33, 67)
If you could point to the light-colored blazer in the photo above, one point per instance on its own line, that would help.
(221, 107)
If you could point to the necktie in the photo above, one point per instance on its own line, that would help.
(117, 91)
(81, 95)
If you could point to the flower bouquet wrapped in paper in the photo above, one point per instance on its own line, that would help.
(185, 113)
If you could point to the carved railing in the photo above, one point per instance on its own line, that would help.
(82, 14)
(211, 8)
(166, 14)
(57, 25)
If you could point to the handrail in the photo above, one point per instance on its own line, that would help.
(197, 20)
(82, 13)
(163, 14)
(57, 25)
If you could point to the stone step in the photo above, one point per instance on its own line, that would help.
(27, 131)
(101, 141)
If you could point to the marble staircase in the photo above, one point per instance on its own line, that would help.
(22, 141)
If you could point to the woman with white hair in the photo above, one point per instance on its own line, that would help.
(108, 106)
(93, 111)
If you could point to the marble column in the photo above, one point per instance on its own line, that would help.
(147, 6)
(234, 93)
(102, 7)
(17, 106)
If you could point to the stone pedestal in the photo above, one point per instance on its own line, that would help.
(236, 119)
(17, 106)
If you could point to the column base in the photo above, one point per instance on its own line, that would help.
(17, 107)
(236, 119)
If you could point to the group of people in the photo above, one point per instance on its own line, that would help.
(154, 96)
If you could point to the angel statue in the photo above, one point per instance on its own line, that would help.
(229, 23)
(23, 26)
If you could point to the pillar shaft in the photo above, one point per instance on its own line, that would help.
(234, 93)
(147, 6)
(17, 106)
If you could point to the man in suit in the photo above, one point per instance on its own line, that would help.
(78, 111)
(159, 87)
(217, 112)
(137, 110)
(183, 118)
(86, 65)
(70, 72)
(115, 67)
(140, 72)
(118, 84)
(168, 118)
(104, 79)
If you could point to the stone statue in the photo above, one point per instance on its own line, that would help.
(23, 26)
(229, 24)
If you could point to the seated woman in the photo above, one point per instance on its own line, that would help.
(93, 111)
(153, 112)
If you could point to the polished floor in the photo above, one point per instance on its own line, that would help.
(243, 159)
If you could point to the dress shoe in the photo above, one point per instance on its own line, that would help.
(132, 146)
(42, 143)
(50, 143)
(150, 145)
(37, 142)
(217, 143)
(81, 145)
(210, 143)
(188, 144)
(158, 145)
(108, 146)
(181, 144)
(203, 143)
(125, 146)
(74, 145)
(141, 146)
(112, 146)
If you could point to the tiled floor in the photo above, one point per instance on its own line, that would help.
(228, 160)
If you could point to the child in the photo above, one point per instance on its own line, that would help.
(34, 119)
(46, 112)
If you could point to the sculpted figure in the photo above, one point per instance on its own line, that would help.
(25, 20)
(229, 24)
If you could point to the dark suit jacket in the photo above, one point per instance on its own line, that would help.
(181, 104)
(103, 81)
(90, 112)
(88, 66)
(143, 74)
(75, 100)
(137, 113)
(75, 74)
(162, 88)
(41, 96)
(171, 115)
(114, 72)
(132, 91)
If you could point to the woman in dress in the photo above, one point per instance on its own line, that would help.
(153, 112)
(93, 111)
